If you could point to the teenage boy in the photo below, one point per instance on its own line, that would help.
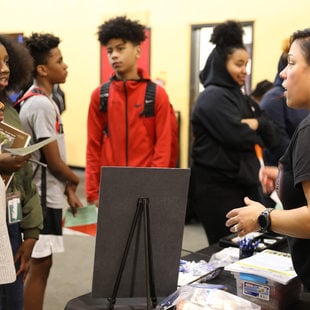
(121, 136)
(41, 118)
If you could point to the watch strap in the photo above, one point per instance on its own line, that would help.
(266, 214)
(268, 211)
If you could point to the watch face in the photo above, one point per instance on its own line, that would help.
(262, 221)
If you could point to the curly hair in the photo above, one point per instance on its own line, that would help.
(228, 37)
(39, 45)
(121, 28)
(20, 64)
(228, 34)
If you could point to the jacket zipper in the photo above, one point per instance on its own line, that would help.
(126, 121)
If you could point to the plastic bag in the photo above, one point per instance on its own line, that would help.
(202, 297)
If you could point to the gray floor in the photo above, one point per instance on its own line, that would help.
(71, 274)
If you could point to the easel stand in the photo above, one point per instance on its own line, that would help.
(142, 213)
(135, 206)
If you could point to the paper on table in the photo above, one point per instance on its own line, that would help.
(273, 265)
(22, 151)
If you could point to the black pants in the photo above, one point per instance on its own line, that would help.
(211, 200)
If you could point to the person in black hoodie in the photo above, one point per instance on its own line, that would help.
(286, 118)
(226, 127)
(260, 90)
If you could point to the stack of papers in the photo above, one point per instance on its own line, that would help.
(273, 265)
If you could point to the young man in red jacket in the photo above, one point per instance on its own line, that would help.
(122, 136)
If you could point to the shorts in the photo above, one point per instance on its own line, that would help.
(47, 245)
(51, 239)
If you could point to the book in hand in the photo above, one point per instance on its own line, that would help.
(11, 137)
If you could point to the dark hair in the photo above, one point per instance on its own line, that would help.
(282, 63)
(121, 28)
(227, 37)
(20, 64)
(261, 88)
(303, 36)
(39, 45)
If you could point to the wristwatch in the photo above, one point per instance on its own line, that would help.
(263, 220)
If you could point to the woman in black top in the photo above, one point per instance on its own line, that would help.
(226, 126)
(292, 177)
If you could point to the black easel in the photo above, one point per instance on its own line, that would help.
(122, 190)
(142, 208)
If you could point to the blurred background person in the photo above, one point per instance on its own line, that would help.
(286, 118)
(260, 90)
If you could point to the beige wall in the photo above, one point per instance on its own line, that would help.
(76, 22)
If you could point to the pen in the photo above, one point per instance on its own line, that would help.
(37, 162)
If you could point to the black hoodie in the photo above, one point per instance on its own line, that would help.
(222, 144)
(285, 118)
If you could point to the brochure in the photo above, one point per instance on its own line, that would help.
(11, 137)
(270, 264)
(23, 151)
(15, 141)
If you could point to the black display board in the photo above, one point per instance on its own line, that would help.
(120, 190)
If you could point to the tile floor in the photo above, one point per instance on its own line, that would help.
(71, 274)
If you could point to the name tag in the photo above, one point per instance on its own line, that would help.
(14, 207)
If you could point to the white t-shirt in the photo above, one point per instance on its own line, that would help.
(7, 268)
(40, 117)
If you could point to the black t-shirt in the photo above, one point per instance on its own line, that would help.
(294, 168)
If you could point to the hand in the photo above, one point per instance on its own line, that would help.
(23, 255)
(251, 122)
(244, 220)
(72, 198)
(9, 163)
(267, 177)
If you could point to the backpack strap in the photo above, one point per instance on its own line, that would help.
(33, 92)
(149, 100)
(37, 92)
(43, 182)
(104, 95)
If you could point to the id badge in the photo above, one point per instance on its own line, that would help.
(14, 207)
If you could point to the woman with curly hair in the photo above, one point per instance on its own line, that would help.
(15, 72)
(226, 128)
